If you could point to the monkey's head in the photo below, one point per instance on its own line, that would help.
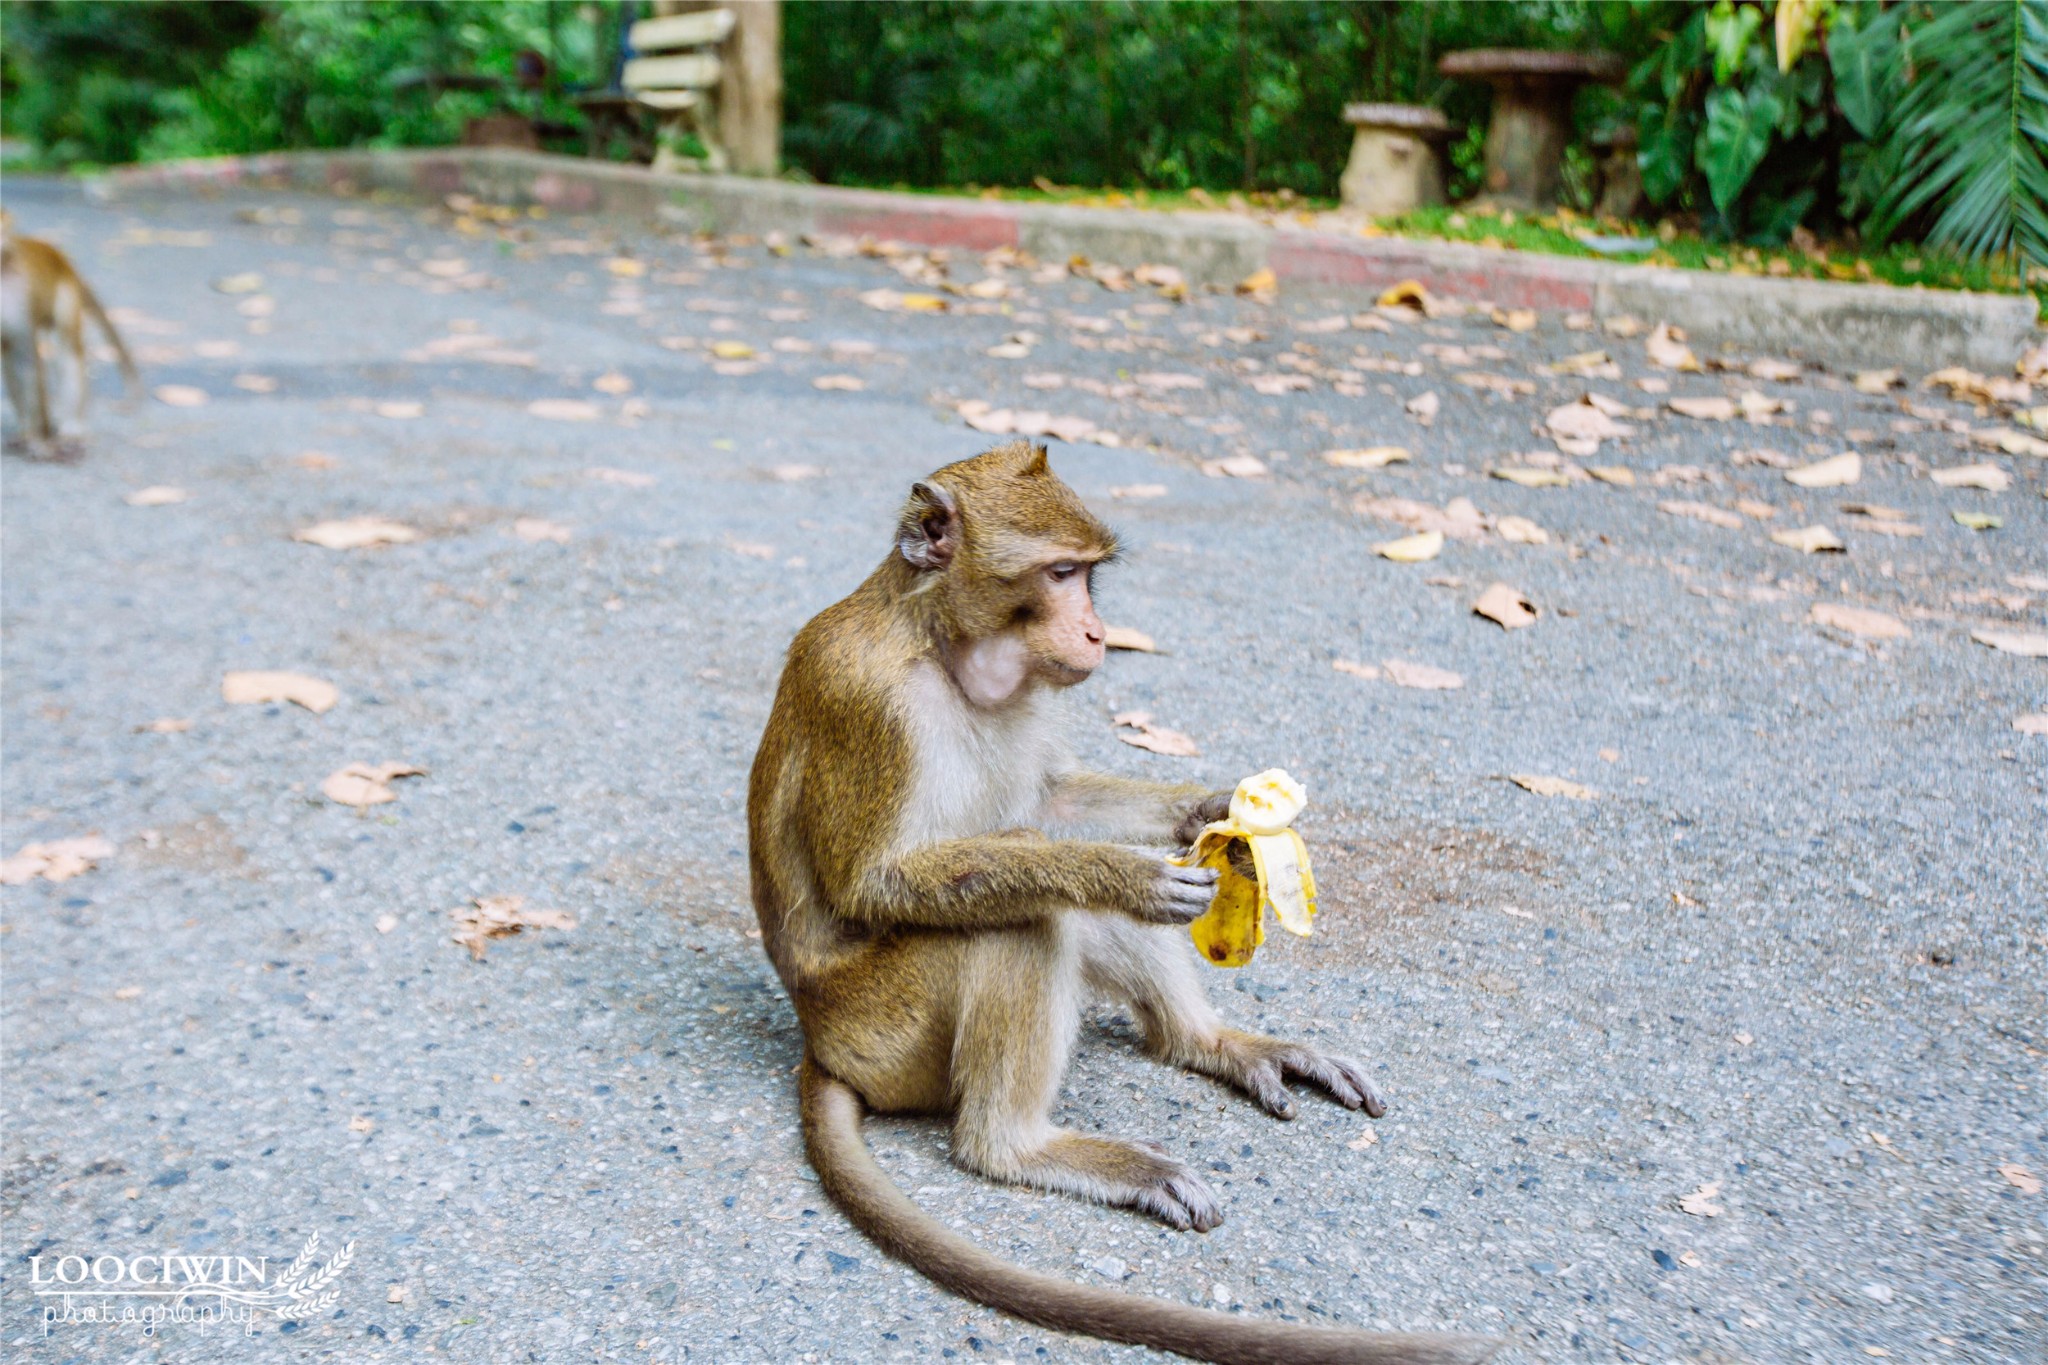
(1006, 555)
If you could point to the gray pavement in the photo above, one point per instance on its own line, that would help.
(1795, 949)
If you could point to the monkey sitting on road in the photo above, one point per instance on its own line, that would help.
(42, 295)
(938, 941)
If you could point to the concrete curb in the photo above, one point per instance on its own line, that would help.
(1838, 324)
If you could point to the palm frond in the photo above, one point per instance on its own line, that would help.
(1967, 130)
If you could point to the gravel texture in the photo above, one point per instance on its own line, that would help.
(1795, 947)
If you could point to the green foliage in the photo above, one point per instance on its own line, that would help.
(1954, 97)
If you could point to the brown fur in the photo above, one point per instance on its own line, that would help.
(42, 295)
(938, 943)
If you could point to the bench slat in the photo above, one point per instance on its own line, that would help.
(692, 71)
(681, 30)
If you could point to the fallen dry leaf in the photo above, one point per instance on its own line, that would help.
(1415, 549)
(1666, 348)
(564, 409)
(1702, 511)
(1365, 1139)
(366, 784)
(246, 282)
(1878, 381)
(1138, 490)
(1529, 477)
(1755, 406)
(1586, 365)
(1834, 472)
(1988, 477)
(1783, 371)
(256, 687)
(751, 549)
(540, 528)
(1457, 519)
(1260, 284)
(165, 725)
(1274, 385)
(489, 917)
(1371, 457)
(1424, 677)
(2033, 723)
(1506, 607)
(794, 473)
(1704, 409)
(1123, 637)
(1977, 521)
(399, 410)
(1236, 467)
(356, 533)
(1520, 531)
(1619, 475)
(1584, 421)
(1515, 319)
(2020, 1178)
(255, 383)
(2027, 644)
(1969, 386)
(612, 382)
(1861, 621)
(156, 495)
(1156, 738)
(55, 860)
(1424, 407)
(1409, 294)
(180, 395)
(839, 383)
(1808, 539)
(890, 301)
(2011, 442)
(732, 350)
(1756, 511)
(1700, 1203)
(1551, 786)
(1355, 669)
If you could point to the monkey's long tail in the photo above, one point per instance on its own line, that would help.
(864, 1192)
(106, 324)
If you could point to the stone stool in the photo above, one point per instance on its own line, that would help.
(1621, 175)
(1532, 114)
(1394, 165)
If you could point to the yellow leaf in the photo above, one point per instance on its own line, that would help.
(1551, 786)
(1796, 22)
(1371, 457)
(256, 688)
(1413, 549)
(1835, 472)
(1978, 521)
(1808, 540)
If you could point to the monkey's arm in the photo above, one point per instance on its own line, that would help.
(1127, 808)
(995, 881)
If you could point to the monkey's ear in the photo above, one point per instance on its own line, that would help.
(930, 530)
(1036, 465)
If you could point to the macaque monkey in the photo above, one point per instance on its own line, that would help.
(940, 889)
(42, 295)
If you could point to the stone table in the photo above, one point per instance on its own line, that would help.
(1393, 166)
(1532, 105)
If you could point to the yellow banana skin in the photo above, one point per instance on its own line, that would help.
(1235, 923)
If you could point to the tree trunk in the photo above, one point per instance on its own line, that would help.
(750, 95)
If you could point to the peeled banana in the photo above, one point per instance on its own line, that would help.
(1262, 809)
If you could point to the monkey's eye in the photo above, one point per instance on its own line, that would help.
(1063, 571)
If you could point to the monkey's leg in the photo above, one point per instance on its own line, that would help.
(1153, 968)
(67, 361)
(1019, 1008)
(15, 359)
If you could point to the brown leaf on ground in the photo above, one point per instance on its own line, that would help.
(1977, 521)
(1666, 349)
(1424, 677)
(1620, 475)
(1782, 371)
(1716, 409)
(1859, 621)
(1988, 477)
(1415, 549)
(1808, 539)
(400, 410)
(1260, 284)
(794, 473)
(1424, 407)
(564, 410)
(1410, 294)
(489, 917)
(1585, 365)
(55, 860)
(1584, 420)
(1367, 1138)
(2020, 1178)
(1700, 1203)
(356, 533)
(1138, 490)
(1520, 531)
(180, 396)
(1702, 511)
(1878, 381)
(1529, 477)
(1236, 467)
(366, 784)
(1506, 607)
(2027, 644)
(1756, 511)
(165, 725)
(1551, 786)
(1123, 637)
(1837, 471)
(2009, 442)
(1970, 387)
(839, 383)
(1357, 670)
(1515, 319)
(1274, 385)
(540, 528)
(156, 495)
(254, 688)
(1457, 519)
(2033, 723)
(612, 382)
(1157, 738)
(1755, 406)
(2032, 365)
(1371, 457)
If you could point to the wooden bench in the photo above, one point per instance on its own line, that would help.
(673, 72)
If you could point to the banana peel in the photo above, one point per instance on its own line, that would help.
(1257, 837)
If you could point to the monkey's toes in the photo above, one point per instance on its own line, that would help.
(1183, 1199)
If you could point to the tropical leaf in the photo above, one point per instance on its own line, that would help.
(1733, 143)
(1971, 130)
(1864, 58)
(1796, 21)
(1729, 29)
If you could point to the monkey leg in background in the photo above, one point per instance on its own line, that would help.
(43, 299)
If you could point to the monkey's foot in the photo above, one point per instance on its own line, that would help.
(1128, 1175)
(1261, 1067)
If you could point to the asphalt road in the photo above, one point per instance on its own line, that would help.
(1794, 948)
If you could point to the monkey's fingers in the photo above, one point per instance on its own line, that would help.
(1203, 813)
(1180, 895)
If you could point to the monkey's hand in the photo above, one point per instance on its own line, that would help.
(1206, 810)
(1174, 894)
